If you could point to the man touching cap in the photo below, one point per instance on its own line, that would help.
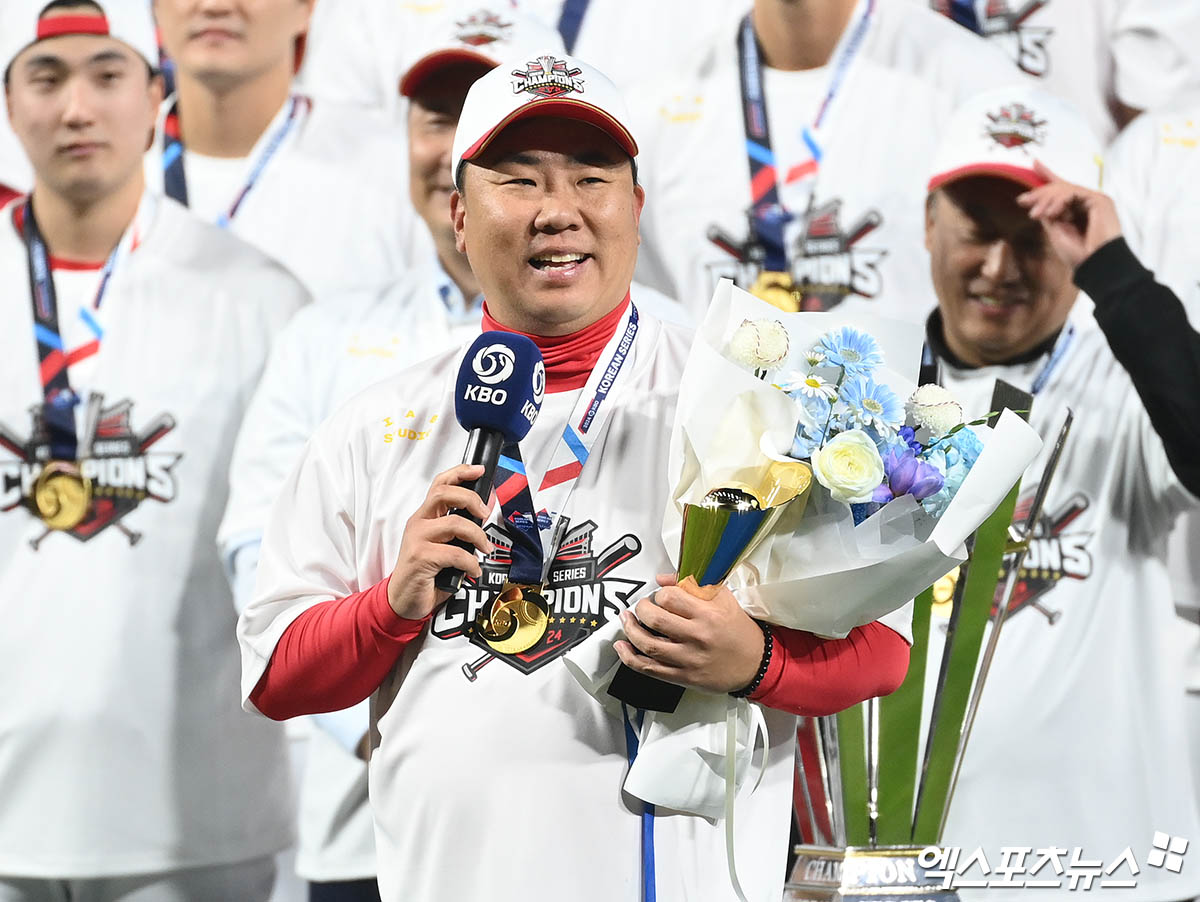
(501, 783)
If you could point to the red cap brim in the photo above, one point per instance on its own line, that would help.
(1021, 174)
(563, 108)
(440, 59)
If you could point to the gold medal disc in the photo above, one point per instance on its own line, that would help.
(778, 289)
(62, 495)
(516, 620)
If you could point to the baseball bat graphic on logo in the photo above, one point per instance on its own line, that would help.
(10, 441)
(610, 558)
(863, 227)
(498, 395)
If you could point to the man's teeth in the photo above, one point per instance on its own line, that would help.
(992, 302)
(558, 259)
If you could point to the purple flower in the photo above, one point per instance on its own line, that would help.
(908, 435)
(906, 474)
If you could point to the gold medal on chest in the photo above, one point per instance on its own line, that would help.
(62, 495)
(778, 289)
(516, 620)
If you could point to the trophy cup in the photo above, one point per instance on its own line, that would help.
(718, 534)
(870, 807)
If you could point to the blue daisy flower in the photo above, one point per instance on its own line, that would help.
(873, 404)
(856, 352)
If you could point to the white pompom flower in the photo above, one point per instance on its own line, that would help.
(760, 344)
(934, 408)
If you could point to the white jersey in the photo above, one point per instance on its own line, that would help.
(857, 237)
(464, 741)
(331, 203)
(124, 749)
(15, 172)
(1140, 53)
(358, 49)
(1080, 739)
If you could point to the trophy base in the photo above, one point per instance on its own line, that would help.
(885, 874)
(644, 692)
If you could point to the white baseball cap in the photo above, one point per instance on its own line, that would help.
(485, 36)
(1002, 132)
(544, 83)
(128, 21)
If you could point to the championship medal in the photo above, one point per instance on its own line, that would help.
(516, 620)
(62, 495)
(778, 289)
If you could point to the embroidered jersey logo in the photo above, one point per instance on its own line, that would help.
(582, 592)
(114, 460)
(547, 76)
(494, 364)
(482, 27)
(1015, 125)
(996, 19)
(827, 263)
(1056, 552)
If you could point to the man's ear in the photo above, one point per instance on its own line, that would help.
(458, 216)
(639, 201)
(155, 92)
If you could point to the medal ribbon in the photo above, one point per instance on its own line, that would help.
(175, 181)
(570, 21)
(535, 535)
(768, 215)
(54, 359)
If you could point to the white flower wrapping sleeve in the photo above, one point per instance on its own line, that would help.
(818, 571)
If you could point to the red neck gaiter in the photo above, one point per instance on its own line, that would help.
(569, 358)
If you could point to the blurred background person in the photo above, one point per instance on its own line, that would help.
(135, 334)
(1110, 58)
(790, 162)
(313, 184)
(1080, 739)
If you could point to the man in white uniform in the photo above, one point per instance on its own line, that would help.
(329, 353)
(358, 49)
(1079, 741)
(791, 162)
(1111, 58)
(493, 775)
(313, 184)
(135, 335)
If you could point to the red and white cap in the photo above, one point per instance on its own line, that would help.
(485, 36)
(543, 83)
(1002, 132)
(128, 21)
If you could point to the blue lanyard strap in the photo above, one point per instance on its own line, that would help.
(768, 216)
(570, 20)
(175, 180)
(631, 750)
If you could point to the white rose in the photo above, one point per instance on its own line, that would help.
(759, 344)
(935, 408)
(849, 466)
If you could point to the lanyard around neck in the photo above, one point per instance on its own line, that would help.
(175, 179)
(535, 533)
(54, 358)
(768, 214)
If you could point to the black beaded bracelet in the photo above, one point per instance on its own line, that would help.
(768, 647)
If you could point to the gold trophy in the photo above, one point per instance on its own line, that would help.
(718, 534)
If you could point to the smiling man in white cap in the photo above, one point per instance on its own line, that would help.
(504, 783)
(1080, 740)
(134, 335)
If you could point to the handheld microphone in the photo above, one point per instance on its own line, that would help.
(501, 383)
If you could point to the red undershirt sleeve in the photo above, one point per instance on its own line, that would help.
(334, 655)
(813, 677)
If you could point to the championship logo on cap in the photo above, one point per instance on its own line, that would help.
(1015, 125)
(482, 28)
(547, 76)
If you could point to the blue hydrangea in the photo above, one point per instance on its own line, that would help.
(954, 456)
